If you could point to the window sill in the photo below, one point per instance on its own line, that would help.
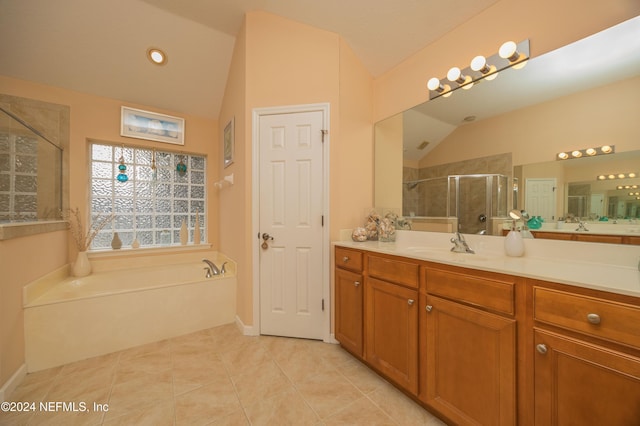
(128, 251)
(24, 229)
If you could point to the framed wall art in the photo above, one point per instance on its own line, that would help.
(228, 138)
(136, 123)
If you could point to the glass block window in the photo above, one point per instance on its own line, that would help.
(152, 203)
(18, 177)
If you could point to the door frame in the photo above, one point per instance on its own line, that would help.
(257, 113)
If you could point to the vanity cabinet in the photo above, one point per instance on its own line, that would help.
(349, 293)
(468, 346)
(479, 347)
(391, 319)
(587, 358)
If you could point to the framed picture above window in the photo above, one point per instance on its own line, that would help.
(136, 123)
(228, 143)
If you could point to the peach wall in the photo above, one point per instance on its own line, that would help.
(92, 117)
(22, 260)
(235, 201)
(548, 24)
(287, 63)
(352, 152)
(98, 118)
(602, 116)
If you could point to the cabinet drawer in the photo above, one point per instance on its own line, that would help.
(608, 320)
(349, 259)
(393, 270)
(494, 294)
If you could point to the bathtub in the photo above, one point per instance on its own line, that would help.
(68, 319)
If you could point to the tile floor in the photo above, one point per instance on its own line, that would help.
(219, 377)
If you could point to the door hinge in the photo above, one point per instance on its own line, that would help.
(322, 220)
(323, 305)
(324, 132)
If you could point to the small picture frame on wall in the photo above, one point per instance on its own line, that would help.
(136, 123)
(228, 139)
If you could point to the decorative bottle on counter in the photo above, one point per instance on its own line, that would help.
(184, 233)
(514, 244)
(116, 242)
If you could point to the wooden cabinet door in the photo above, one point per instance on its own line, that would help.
(470, 363)
(392, 332)
(349, 313)
(578, 383)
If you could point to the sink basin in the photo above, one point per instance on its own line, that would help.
(445, 253)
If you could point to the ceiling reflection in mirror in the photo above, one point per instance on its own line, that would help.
(611, 57)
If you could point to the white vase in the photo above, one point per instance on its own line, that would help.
(514, 244)
(82, 266)
(184, 233)
(196, 230)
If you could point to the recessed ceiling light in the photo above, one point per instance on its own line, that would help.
(157, 56)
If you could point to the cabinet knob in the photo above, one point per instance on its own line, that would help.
(429, 308)
(345, 259)
(541, 348)
(356, 283)
(593, 318)
(410, 302)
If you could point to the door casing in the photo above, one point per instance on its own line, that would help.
(255, 199)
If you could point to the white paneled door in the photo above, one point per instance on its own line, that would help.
(540, 198)
(291, 235)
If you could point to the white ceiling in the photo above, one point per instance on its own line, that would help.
(98, 47)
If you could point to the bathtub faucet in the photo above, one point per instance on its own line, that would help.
(212, 267)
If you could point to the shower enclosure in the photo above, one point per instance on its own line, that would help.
(473, 202)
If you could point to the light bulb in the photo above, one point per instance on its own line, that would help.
(602, 177)
(606, 149)
(479, 63)
(591, 151)
(632, 175)
(621, 176)
(454, 74)
(576, 154)
(508, 51)
(563, 156)
(433, 84)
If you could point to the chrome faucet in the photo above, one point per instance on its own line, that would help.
(582, 226)
(212, 267)
(223, 270)
(460, 244)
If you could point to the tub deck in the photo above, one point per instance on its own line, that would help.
(79, 318)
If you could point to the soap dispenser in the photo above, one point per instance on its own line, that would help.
(513, 242)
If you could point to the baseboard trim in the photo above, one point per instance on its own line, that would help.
(247, 330)
(14, 381)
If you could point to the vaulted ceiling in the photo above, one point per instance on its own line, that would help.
(99, 47)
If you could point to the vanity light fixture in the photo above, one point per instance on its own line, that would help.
(588, 152)
(156, 56)
(481, 68)
(612, 176)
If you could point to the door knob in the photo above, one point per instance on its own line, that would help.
(410, 302)
(266, 237)
(356, 283)
(541, 348)
(429, 308)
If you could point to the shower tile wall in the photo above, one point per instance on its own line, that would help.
(429, 199)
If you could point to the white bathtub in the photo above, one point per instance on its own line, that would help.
(68, 319)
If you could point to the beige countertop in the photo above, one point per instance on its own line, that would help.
(606, 267)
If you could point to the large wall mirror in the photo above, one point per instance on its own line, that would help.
(582, 95)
